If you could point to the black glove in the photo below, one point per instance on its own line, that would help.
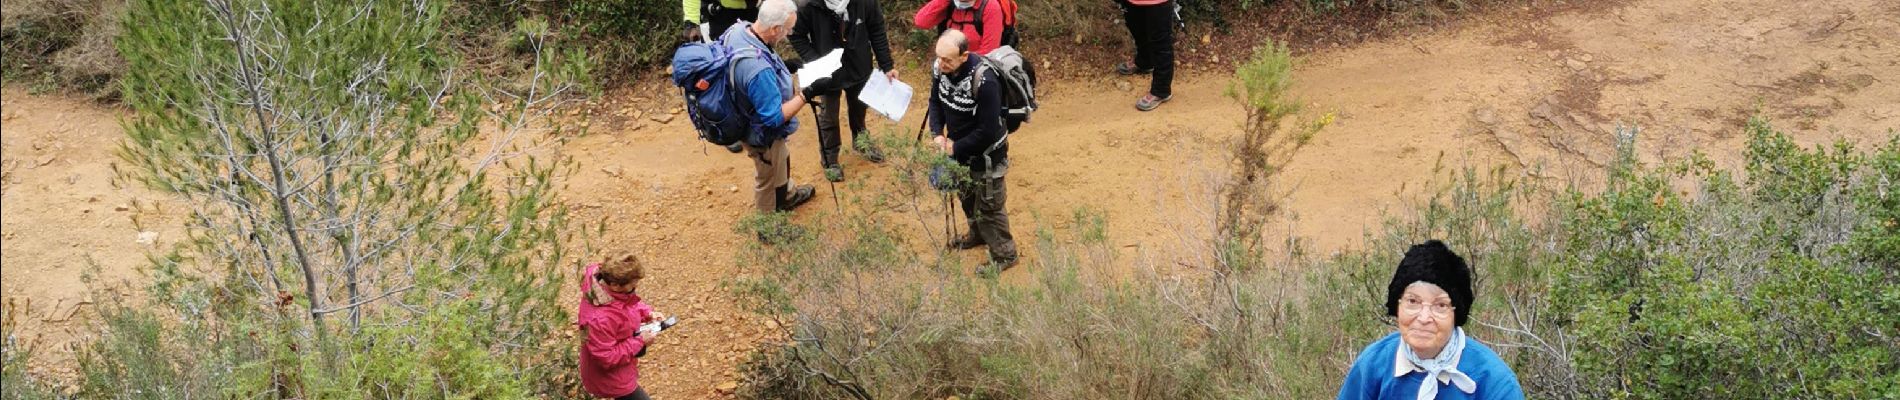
(691, 34)
(822, 86)
(793, 66)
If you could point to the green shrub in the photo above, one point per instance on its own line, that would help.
(352, 234)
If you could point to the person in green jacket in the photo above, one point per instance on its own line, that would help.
(716, 16)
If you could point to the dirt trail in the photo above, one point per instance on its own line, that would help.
(1519, 88)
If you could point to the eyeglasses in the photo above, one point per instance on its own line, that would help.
(1413, 306)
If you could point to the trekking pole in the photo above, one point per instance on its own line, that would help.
(817, 113)
(920, 128)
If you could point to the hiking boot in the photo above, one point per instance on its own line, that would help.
(735, 147)
(1128, 68)
(996, 267)
(1149, 102)
(965, 242)
(834, 173)
(795, 197)
(870, 152)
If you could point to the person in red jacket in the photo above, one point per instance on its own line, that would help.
(962, 15)
(610, 316)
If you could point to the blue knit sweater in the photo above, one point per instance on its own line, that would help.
(1371, 376)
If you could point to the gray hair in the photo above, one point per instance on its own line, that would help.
(775, 13)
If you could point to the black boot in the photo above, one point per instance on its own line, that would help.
(791, 198)
(869, 150)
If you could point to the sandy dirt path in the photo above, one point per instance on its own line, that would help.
(1539, 93)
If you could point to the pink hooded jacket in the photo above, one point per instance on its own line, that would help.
(608, 366)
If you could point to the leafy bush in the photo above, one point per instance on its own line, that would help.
(352, 234)
(1666, 290)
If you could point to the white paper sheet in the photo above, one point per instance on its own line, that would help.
(890, 98)
(820, 68)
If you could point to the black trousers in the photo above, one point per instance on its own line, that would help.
(638, 394)
(1152, 28)
(828, 106)
(983, 202)
(719, 18)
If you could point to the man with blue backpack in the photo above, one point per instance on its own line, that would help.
(738, 90)
(714, 17)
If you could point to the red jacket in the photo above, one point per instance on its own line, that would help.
(990, 38)
(608, 366)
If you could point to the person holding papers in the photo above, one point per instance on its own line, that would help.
(856, 27)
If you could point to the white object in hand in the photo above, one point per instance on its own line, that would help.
(820, 68)
(889, 97)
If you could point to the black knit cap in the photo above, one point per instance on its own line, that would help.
(1432, 263)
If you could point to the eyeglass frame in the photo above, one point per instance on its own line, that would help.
(1413, 306)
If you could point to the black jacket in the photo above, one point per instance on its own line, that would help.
(969, 110)
(819, 31)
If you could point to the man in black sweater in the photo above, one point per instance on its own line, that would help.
(857, 26)
(966, 121)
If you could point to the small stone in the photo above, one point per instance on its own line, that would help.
(1207, 38)
(1585, 57)
(732, 189)
(663, 118)
(1486, 116)
(147, 238)
(1575, 64)
(45, 160)
(121, 207)
(728, 387)
(613, 170)
(1124, 86)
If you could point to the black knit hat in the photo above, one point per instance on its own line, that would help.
(1432, 263)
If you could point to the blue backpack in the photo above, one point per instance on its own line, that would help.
(705, 73)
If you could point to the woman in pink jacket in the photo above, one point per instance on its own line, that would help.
(610, 316)
(983, 21)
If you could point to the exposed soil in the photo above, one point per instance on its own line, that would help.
(1541, 93)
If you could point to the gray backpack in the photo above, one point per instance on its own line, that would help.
(1019, 84)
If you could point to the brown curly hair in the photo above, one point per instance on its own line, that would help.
(621, 270)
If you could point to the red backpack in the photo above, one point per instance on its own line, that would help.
(1010, 36)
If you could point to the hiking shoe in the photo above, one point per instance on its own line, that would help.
(735, 148)
(834, 173)
(996, 267)
(870, 152)
(1128, 68)
(796, 197)
(965, 242)
(1149, 102)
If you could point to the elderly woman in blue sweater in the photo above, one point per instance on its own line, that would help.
(1429, 357)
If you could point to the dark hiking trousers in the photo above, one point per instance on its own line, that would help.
(719, 18)
(828, 106)
(638, 394)
(1152, 28)
(982, 203)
